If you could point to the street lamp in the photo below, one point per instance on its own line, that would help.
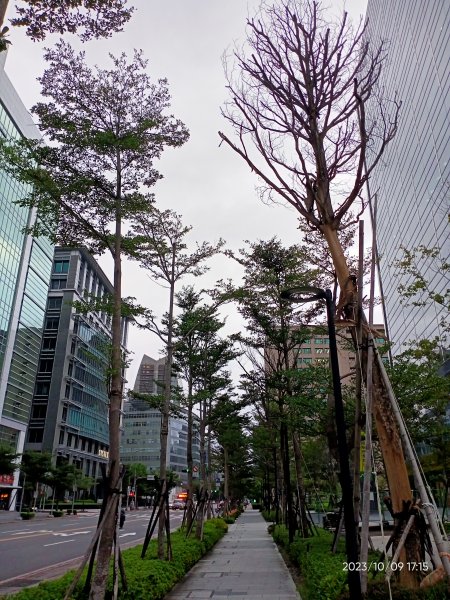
(310, 294)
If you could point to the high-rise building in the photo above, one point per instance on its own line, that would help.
(25, 265)
(142, 425)
(69, 416)
(412, 182)
(316, 350)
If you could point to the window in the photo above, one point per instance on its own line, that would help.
(61, 437)
(69, 440)
(39, 411)
(48, 343)
(54, 304)
(52, 323)
(46, 365)
(42, 388)
(58, 283)
(61, 266)
(35, 435)
(318, 341)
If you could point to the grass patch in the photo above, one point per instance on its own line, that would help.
(148, 578)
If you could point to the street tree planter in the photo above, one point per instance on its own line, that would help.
(26, 516)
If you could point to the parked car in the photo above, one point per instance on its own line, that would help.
(177, 505)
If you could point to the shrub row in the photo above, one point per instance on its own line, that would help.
(147, 578)
(322, 575)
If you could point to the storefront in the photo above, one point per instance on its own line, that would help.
(8, 491)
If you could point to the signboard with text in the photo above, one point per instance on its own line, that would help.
(6, 479)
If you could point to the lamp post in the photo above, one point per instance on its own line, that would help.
(310, 294)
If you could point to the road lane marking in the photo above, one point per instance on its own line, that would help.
(56, 543)
(126, 534)
(70, 534)
(33, 534)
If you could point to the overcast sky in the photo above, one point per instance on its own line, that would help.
(209, 185)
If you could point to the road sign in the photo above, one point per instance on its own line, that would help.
(195, 468)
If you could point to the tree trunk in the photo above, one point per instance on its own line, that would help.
(275, 486)
(202, 472)
(396, 472)
(385, 420)
(99, 583)
(166, 408)
(3, 7)
(284, 440)
(208, 468)
(226, 475)
(300, 484)
(189, 459)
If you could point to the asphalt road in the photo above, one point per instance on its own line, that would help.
(31, 551)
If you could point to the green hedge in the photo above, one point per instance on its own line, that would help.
(147, 578)
(322, 575)
(379, 591)
(269, 515)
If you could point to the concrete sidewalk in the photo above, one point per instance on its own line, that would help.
(244, 565)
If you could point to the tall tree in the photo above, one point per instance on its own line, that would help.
(88, 18)
(276, 331)
(106, 128)
(298, 111)
(36, 468)
(229, 424)
(190, 327)
(163, 253)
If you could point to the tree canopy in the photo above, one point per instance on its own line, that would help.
(87, 18)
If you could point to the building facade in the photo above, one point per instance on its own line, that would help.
(142, 425)
(316, 349)
(69, 416)
(412, 180)
(25, 265)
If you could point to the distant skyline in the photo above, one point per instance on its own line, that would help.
(184, 41)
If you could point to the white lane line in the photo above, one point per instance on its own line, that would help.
(56, 543)
(126, 534)
(71, 534)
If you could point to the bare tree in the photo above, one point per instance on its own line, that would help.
(298, 96)
(298, 109)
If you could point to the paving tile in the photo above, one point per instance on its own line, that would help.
(244, 565)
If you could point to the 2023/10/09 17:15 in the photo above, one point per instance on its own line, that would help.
(381, 566)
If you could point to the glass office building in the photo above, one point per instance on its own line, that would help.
(412, 180)
(142, 425)
(25, 265)
(69, 416)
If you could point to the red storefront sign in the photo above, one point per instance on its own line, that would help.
(6, 479)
